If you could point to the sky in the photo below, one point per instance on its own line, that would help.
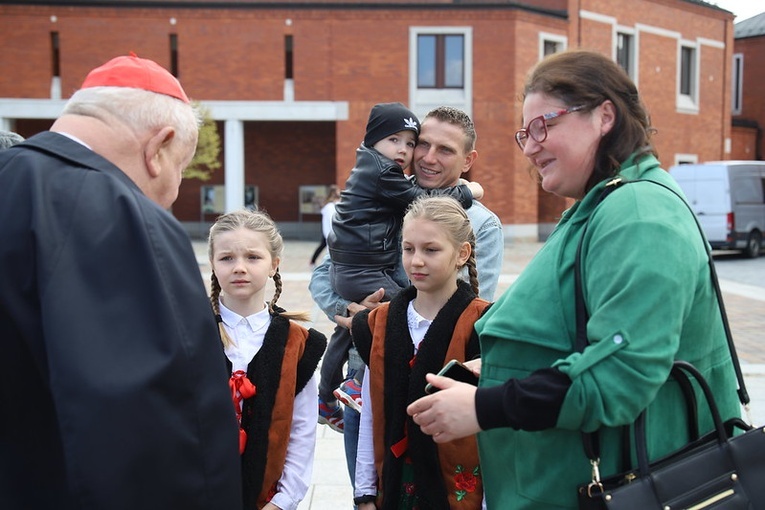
(743, 9)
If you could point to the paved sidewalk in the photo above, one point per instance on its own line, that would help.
(330, 488)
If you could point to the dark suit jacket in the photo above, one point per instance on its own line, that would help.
(113, 391)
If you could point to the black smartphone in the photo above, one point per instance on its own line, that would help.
(457, 371)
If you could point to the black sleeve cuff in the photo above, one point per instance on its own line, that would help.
(364, 499)
(532, 403)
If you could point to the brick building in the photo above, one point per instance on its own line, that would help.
(748, 98)
(290, 83)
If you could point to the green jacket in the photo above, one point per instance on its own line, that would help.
(647, 288)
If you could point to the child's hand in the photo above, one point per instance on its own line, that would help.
(271, 506)
(474, 365)
(367, 506)
(476, 189)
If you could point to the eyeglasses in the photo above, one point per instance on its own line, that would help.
(537, 127)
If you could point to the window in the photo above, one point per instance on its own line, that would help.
(174, 54)
(688, 78)
(55, 65)
(440, 61)
(440, 68)
(686, 159)
(55, 55)
(686, 71)
(738, 83)
(625, 52)
(288, 69)
(551, 43)
(549, 47)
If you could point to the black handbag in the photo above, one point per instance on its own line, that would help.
(724, 469)
(717, 471)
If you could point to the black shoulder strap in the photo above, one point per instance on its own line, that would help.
(582, 315)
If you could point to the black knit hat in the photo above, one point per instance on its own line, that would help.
(388, 118)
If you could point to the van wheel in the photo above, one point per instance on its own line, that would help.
(753, 242)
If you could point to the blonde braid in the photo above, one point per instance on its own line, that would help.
(277, 290)
(215, 302)
(298, 316)
(472, 267)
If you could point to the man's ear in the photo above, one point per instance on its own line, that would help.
(469, 160)
(158, 141)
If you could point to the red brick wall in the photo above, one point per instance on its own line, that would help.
(361, 56)
(744, 144)
(703, 133)
(753, 98)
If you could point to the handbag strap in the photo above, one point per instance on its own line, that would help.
(679, 370)
(590, 440)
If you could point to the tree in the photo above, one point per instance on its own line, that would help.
(205, 160)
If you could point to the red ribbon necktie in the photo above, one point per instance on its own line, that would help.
(241, 388)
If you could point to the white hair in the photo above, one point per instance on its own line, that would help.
(9, 139)
(139, 109)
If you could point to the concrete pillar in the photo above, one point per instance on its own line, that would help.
(234, 168)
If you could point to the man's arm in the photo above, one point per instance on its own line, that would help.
(338, 310)
(489, 248)
(320, 286)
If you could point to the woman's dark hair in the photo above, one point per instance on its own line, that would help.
(581, 77)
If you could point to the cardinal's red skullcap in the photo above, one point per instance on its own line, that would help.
(138, 73)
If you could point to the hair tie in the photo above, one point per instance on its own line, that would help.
(218, 318)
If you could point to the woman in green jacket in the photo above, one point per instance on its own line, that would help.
(647, 288)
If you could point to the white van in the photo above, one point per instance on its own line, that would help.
(728, 198)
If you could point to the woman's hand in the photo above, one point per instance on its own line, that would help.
(448, 414)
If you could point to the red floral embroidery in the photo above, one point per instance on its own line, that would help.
(409, 488)
(465, 482)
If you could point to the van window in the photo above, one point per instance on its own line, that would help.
(748, 190)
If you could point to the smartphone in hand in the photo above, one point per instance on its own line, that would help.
(457, 371)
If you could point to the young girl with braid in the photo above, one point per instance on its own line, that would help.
(271, 360)
(417, 332)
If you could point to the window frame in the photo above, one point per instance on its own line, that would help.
(632, 52)
(688, 102)
(686, 159)
(422, 99)
(560, 41)
(737, 85)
